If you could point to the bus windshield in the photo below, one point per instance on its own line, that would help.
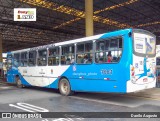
(144, 44)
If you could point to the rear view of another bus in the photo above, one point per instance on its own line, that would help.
(143, 67)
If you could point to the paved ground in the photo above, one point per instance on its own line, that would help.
(32, 99)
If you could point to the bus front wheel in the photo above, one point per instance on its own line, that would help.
(64, 87)
(18, 82)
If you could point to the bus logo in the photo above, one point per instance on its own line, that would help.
(74, 68)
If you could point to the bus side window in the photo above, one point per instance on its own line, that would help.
(84, 53)
(116, 49)
(24, 57)
(67, 56)
(42, 58)
(100, 51)
(109, 53)
(32, 58)
(53, 58)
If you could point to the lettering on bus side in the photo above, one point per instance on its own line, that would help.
(106, 71)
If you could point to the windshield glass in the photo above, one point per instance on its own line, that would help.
(144, 43)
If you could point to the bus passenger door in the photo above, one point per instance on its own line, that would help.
(10, 77)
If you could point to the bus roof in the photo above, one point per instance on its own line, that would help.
(99, 36)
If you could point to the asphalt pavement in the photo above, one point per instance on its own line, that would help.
(82, 105)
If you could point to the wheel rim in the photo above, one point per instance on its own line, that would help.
(19, 83)
(64, 87)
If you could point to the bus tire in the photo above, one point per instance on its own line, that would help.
(64, 87)
(18, 82)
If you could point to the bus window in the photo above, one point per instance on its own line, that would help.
(67, 55)
(42, 58)
(53, 58)
(116, 49)
(24, 58)
(120, 43)
(100, 46)
(113, 44)
(16, 61)
(107, 45)
(84, 53)
(111, 52)
(100, 54)
(32, 58)
(88, 47)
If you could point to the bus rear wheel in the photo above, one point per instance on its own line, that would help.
(64, 87)
(19, 83)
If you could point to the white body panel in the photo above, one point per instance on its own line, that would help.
(143, 75)
(42, 76)
(131, 87)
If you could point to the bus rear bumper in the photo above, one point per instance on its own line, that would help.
(131, 87)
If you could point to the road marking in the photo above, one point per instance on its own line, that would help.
(28, 107)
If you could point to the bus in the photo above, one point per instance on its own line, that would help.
(122, 61)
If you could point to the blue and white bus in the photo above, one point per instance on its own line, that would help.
(116, 62)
